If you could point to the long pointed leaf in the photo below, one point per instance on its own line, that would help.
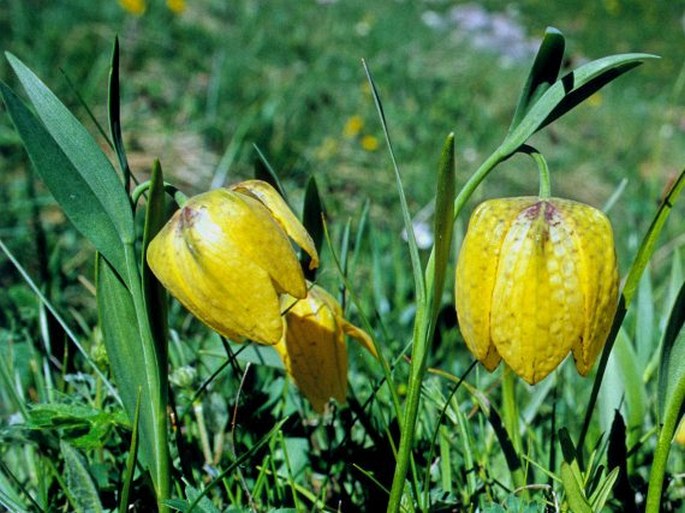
(543, 73)
(81, 203)
(569, 91)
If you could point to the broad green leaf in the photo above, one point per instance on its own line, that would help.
(82, 151)
(130, 366)
(574, 492)
(569, 91)
(155, 293)
(79, 482)
(73, 190)
(312, 219)
(543, 73)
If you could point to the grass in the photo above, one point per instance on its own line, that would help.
(200, 89)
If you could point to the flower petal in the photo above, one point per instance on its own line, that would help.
(476, 272)
(314, 351)
(280, 211)
(598, 278)
(208, 272)
(537, 309)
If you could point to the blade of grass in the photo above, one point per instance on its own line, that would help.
(641, 260)
(70, 334)
(130, 461)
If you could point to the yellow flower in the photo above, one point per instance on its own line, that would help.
(353, 126)
(135, 7)
(227, 258)
(313, 349)
(176, 6)
(535, 280)
(369, 143)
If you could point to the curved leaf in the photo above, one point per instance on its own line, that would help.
(543, 73)
(69, 187)
(72, 165)
(569, 91)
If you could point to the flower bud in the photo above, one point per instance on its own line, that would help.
(226, 256)
(536, 279)
(313, 349)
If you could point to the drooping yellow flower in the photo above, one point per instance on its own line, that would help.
(313, 349)
(536, 279)
(226, 256)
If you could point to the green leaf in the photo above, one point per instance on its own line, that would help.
(644, 254)
(569, 91)
(312, 219)
(127, 478)
(113, 104)
(574, 492)
(543, 73)
(79, 482)
(155, 293)
(264, 171)
(672, 365)
(601, 494)
(82, 198)
(444, 223)
(124, 342)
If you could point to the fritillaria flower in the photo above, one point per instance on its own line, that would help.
(536, 279)
(226, 255)
(313, 349)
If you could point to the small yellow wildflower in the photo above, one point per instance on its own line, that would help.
(353, 126)
(536, 279)
(176, 6)
(369, 143)
(227, 257)
(135, 7)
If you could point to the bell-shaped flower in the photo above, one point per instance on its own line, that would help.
(536, 279)
(227, 257)
(313, 349)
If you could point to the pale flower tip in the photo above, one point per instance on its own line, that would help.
(360, 336)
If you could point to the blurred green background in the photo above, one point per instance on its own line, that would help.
(205, 82)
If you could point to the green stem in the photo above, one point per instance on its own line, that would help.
(545, 187)
(510, 414)
(170, 189)
(156, 384)
(663, 447)
(422, 335)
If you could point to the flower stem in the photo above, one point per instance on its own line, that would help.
(663, 447)
(421, 338)
(543, 170)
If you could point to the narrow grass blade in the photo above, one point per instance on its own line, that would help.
(644, 254)
(88, 201)
(155, 293)
(672, 367)
(406, 216)
(264, 171)
(127, 478)
(443, 225)
(312, 219)
(114, 108)
(543, 73)
(70, 334)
